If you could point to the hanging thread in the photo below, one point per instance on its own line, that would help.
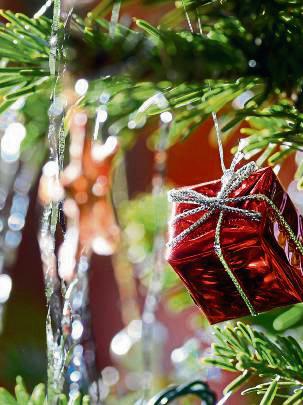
(214, 114)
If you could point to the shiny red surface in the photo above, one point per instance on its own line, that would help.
(268, 267)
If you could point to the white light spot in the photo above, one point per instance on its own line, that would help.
(277, 169)
(53, 40)
(102, 115)
(66, 254)
(242, 144)
(81, 87)
(77, 329)
(101, 118)
(101, 246)
(121, 343)
(75, 376)
(178, 355)
(5, 287)
(101, 151)
(16, 222)
(110, 376)
(77, 361)
(50, 169)
(134, 329)
(78, 350)
(131, 124)
(11, 141)
(166, 117)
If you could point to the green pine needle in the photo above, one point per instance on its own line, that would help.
(243, 349)
(38, 396)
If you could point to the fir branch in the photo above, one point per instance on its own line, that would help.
(24, 55)
(243, 349)
(139, 101)
(274, 132)
(149, 60)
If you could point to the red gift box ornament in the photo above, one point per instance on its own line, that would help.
(236, 243)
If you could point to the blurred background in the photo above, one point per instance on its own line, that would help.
(182, 335)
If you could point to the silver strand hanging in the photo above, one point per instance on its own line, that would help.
(54, 288)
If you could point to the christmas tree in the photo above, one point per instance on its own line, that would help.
(88, 91)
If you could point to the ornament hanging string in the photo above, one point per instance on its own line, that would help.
(214, 114)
